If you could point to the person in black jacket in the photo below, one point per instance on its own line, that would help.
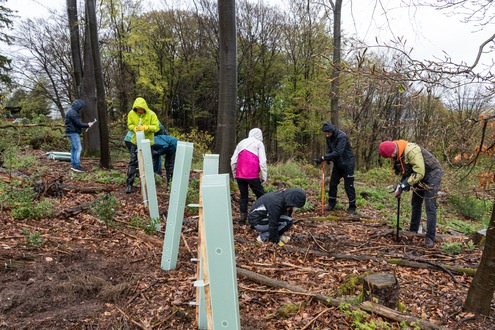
(339, 151)
(73, 127)
(271, 214)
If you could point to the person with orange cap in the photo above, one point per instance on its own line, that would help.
(422, 172)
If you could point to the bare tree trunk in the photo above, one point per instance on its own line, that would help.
(227, 105)
(335, 75)
(75, 46)
(480, 293)
(100, 87)
(91, 145)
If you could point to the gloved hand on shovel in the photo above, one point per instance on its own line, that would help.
(403, 186)
(318, 160)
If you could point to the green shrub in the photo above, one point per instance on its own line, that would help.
(105, 176)
(13, 160)
(149, 227)
(21, 201)
(451, 248)
(32, 238)
(202, 143)
(105, 208)
(465, 227)
(471, 208)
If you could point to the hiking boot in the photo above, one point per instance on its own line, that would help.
(429, 243)
(128, 190)
(329, 208)
(78, 169)
(351, 210)
(285, 239)
(242, 219)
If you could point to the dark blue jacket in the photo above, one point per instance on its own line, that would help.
(339, 148)
(274, 204)
(72, 122)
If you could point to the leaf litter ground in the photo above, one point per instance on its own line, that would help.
(89, 276)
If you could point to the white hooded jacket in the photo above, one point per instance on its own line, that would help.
(249, 158)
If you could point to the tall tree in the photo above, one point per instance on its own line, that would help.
(5, 23)
(75, 44)
(227, 105)
(335, 75)
(100, 86)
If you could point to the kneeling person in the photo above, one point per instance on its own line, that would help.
(271, 214)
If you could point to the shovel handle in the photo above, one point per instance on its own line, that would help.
(398, 216)
(322, 188)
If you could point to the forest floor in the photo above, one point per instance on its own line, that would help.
(87, 275)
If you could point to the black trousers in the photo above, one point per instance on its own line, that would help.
(348, 176)
(244, 185)
(132, 168)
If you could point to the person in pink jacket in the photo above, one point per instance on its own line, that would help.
(249, 163)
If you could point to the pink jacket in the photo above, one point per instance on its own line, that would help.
(249, 158)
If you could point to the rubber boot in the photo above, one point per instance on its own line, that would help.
(131, 174)
(243, 219)
(128, 189)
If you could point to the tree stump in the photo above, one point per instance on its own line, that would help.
(382, 288)
(479, 237)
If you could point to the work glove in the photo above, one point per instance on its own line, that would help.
(91, 123)
(280, 243)
(136, 129)
(319, 160)
(403, 186)
(145, 128)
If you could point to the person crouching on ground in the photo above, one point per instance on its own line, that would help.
(421, 171)
(271, 214)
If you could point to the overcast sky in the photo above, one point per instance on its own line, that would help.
(427, 31)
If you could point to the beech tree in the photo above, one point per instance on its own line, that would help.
(227, 106)
(6, 23)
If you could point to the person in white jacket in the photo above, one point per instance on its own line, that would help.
(249, 163)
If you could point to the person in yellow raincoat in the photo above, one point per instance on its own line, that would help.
(140, 118)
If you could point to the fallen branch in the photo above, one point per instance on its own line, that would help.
(86, 190)
(72, 211)
(329, 301)
(400, 262)
(315, 318)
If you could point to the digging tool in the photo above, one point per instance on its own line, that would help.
(322, 188)
(398, 217)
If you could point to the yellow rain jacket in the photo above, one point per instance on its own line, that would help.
(148, 118)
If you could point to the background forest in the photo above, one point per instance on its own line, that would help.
(170, 58)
